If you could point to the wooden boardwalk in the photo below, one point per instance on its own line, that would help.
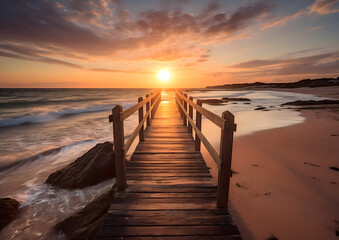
(170, 193)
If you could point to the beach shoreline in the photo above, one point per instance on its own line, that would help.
(291, 193)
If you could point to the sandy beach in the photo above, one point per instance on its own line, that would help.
(283, 185)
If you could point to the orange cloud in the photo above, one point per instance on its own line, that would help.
(323, 7)
(313, 65)
(81, 30)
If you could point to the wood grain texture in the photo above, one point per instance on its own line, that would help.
(170, 193)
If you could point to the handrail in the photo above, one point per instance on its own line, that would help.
(136, 131)
(217, 120)
(207, 144)
(227, 126)
(129, 111)
(118, 116)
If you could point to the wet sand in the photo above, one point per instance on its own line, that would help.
(284, 186)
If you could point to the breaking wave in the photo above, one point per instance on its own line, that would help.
(40, 117)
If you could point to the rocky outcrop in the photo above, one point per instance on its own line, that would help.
(95, 166)
(212, 101)
(9, 209)
(230, 99)
(322, 82)
(260, 108)
(311, 102)
(85, 224)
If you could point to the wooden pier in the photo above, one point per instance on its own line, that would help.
(165, 191)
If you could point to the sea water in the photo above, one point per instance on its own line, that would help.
(42, 130)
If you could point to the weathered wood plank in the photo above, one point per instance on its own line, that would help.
(177, 212)
(169, 189)
(200, 237)
(168, 135)
(165, 195)
(195, 155)
(169, 220)
(169, 170)
(165, 164)
(175, 174)
(169, 161)
(155, 201)
(166, 231)
(168, 182)
(166, 168)
(163, 206)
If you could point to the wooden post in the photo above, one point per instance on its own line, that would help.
(118, 136)
(181, 100)
(226, 144)
(152, 103)
(178, 101)
(185, 107)
(141, 116)
(198, 123)
(157, 103)
(148, 121)
(190, 112)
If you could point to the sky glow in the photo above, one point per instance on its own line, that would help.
(111, 43)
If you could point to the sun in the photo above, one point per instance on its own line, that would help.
(164, 75)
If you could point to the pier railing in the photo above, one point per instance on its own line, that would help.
(118, 116)
(227, 126)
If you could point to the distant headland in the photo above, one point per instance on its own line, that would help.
(321, 82)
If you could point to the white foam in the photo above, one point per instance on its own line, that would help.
(45, 206)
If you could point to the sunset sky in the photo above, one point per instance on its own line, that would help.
(116, 43)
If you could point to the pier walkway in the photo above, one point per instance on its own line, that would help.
(170, 193)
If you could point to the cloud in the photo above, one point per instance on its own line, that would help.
(85, 30)
(317, 64)
(239, 19)
(320, 7)
(41, 59)
(324, 7)
(285, 19)
(32, 54)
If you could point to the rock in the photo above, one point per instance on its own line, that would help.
(334, 168)
(272, 237)
(95, 166)
(322, 82)
(260, 108)
(311, 102)
(213, 101)
(9, 209)
(85, 224)
(235, 99)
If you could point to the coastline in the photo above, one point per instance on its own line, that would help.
(291, 193)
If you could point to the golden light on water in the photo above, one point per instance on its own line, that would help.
(164, 75)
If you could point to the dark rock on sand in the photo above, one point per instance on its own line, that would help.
(334, 168)
(235, 99)
(272, 237)
(86, 223)
(95, 166)
(213, 101)
(311, 164)
(9, 209)
(260, 108)
(311, 102)
(320, 82)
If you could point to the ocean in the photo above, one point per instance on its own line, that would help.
(42, 130)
